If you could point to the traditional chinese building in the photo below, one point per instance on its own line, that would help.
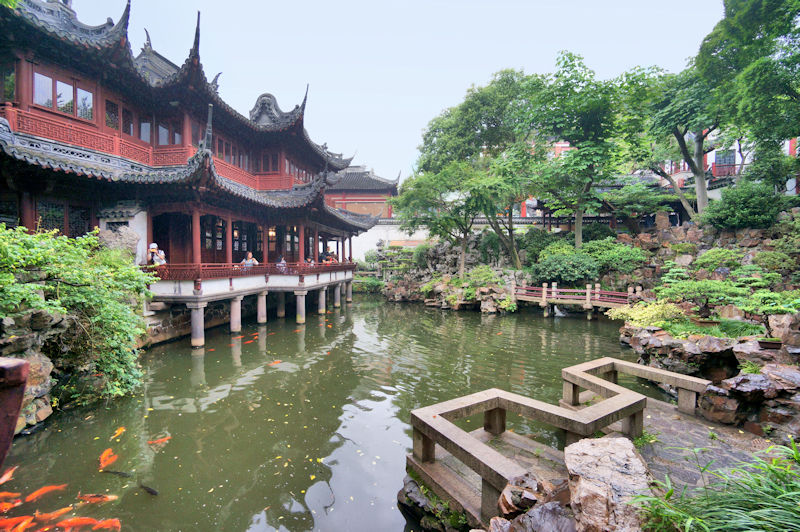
(361, 191)
(93, 136)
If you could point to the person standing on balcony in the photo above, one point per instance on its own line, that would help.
(282, 264)
(249, 260)
(156, 256)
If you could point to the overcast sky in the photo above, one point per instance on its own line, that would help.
(379, 71)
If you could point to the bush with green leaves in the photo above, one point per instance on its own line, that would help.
(775, 261)
(371, 258)
(749, 204)
(786, 236)
(421, 255)
(718, 258)
(598, 231)
(724, 329)
(367, 285)
(684, 248)
(754, 277)
(575, 269)
(611, 255)
(647, 313)
(100, 290)
(705, 293)
(559, 247)
(672, 273)
(489, 246)
(767, 302)
(535, 240)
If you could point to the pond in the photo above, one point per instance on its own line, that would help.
(297, 427)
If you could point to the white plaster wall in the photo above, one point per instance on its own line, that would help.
(369, 240)
(139, 224)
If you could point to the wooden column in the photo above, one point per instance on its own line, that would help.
(350, 257)
(316, 245)
(301, 238)
(28, 214)
(265, 244)
(196, 256)
(228, 239)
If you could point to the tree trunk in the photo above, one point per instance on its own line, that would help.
(699, 172)
(463, 259)
(578, 227)
(513, 241)
(681, 196)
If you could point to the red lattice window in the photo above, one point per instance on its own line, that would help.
(79, 221)
(112, 114)
(51, 215)
(9, 212)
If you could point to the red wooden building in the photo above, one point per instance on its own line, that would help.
(91, 135)
(361, 191)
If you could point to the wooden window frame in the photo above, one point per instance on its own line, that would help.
(57, 76)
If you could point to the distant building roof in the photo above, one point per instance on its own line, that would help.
(358, 178)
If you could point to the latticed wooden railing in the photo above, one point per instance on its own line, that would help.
(591, 296)
(192, 272)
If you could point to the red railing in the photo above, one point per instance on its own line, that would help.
(192, 272)
(171, 155)
(573, 294)
(235, 173)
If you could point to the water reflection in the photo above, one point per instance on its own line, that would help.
(298, 427)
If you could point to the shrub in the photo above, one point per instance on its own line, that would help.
(766, 302)
(427, 288)
(559, 247)
(725, 329)
(368, 285)
(371, 258)
(748, 204)
(535, 240)
(482, 276)
(774, 261)
(597, 231)
(570, 270)
(705, 293)
(788, 235)
(718, 258)
(684, 248)
(99, 289)
(421, 255)
(489, 246)
(647, 313)
(614, 256)
(754, 277)
(672, 273)
(507, 304)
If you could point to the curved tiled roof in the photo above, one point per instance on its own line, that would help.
(362, 221)
(359, 178)
(58, 19)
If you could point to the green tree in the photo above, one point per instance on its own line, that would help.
(441, 202)
(8, 3)
(632, 201)
(570, 105)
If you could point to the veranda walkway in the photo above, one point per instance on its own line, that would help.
(470, 469)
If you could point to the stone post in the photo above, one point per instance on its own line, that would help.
(236, 314)
(596, 291)
(262, 340)
(321, 301)
(571, 393)
(281, 304)
(554, 286)
(337, 295)
(198, 323)
(261, 307)
(424, 447)
(348, 292)
(236, 352)
(489, 501)
(198, 374)
(630, 293)
(633, 425)
(544, 295)
(301, 305)
(494, 421)
(687, 401)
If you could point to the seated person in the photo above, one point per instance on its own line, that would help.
(309, 260)
(249, 260)
(282, 264)
(156, 256)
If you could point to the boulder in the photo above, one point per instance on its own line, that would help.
(730, 312)
(750, 387)
(605, 475)
(716, 404)
(783, 377)
(684, 260)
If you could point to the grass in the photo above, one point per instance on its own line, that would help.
(762, 494)
(646, 438)
(749, 367)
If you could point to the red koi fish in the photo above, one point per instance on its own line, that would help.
(6, 506)
(238, 337)
(108, 524)
(249, 342)
(9, 495)
(44, 491)
(8, 475)
(76, 522)
(7, 523)
(274, 363)
(24, 525)
(117, 433)
(52, 516)
(159, 441)
(97, 498)
(107, 458)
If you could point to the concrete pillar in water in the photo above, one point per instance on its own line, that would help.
(198, 374)
(261, 307)
(301, 305)
(337, 295)
(348, 292)
(281, 304)
(236, 352)
(262, 340)
(198, 323)
(236, 314)
(321, 301)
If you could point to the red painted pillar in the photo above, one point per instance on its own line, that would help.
(301, 237)
(523, 209)
(338, 253)
(228, 239)
(28, 214)
(265, 244)
(316, 245)
(196, 256)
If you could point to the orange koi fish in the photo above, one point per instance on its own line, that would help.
(24, 525)
(7, 523)
(43, 491)
(249, 342)
(9, 495)
(6, 506)
(75, 522)
(117, 433)
(107, 458)
(97, 498)
(274, 362)
(8, 475)
(238, 337)
(159, 441)
(297, 330)
(108, 524)
(52, 516)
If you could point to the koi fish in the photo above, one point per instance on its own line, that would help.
(238, 337)
(107, 458)
(123, 474)
(75, 522)
(52, 516)
(297, 330)
(7, 523)
(9, 495)
(8, 475)
(24, 525)
(148, 489)
(274, 362)
(117, 433)
(108, 524)
(97, 498)
(43, 491)
(159, 441)
(249, 342)
(6, 506)
(211, 350)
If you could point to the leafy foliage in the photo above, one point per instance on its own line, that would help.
(572, 269)
(489, 246)
(704, 293)
(421, 255)
(598, 231)
(747, 205)
(611, 255)
(558, 247)
(766, 302)
(634, 200)
(725, 329)
(774, 261)
(684, 248)
(647, 313)
(97, 287)
(718, 258)
(754, 277)
(534, 241)
(368, 285)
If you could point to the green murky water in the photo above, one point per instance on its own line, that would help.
(316, 441)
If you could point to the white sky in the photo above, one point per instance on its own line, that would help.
(379, 71)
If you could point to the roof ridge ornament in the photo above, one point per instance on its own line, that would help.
(215, 83)
(195, 51)
(148, 45)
